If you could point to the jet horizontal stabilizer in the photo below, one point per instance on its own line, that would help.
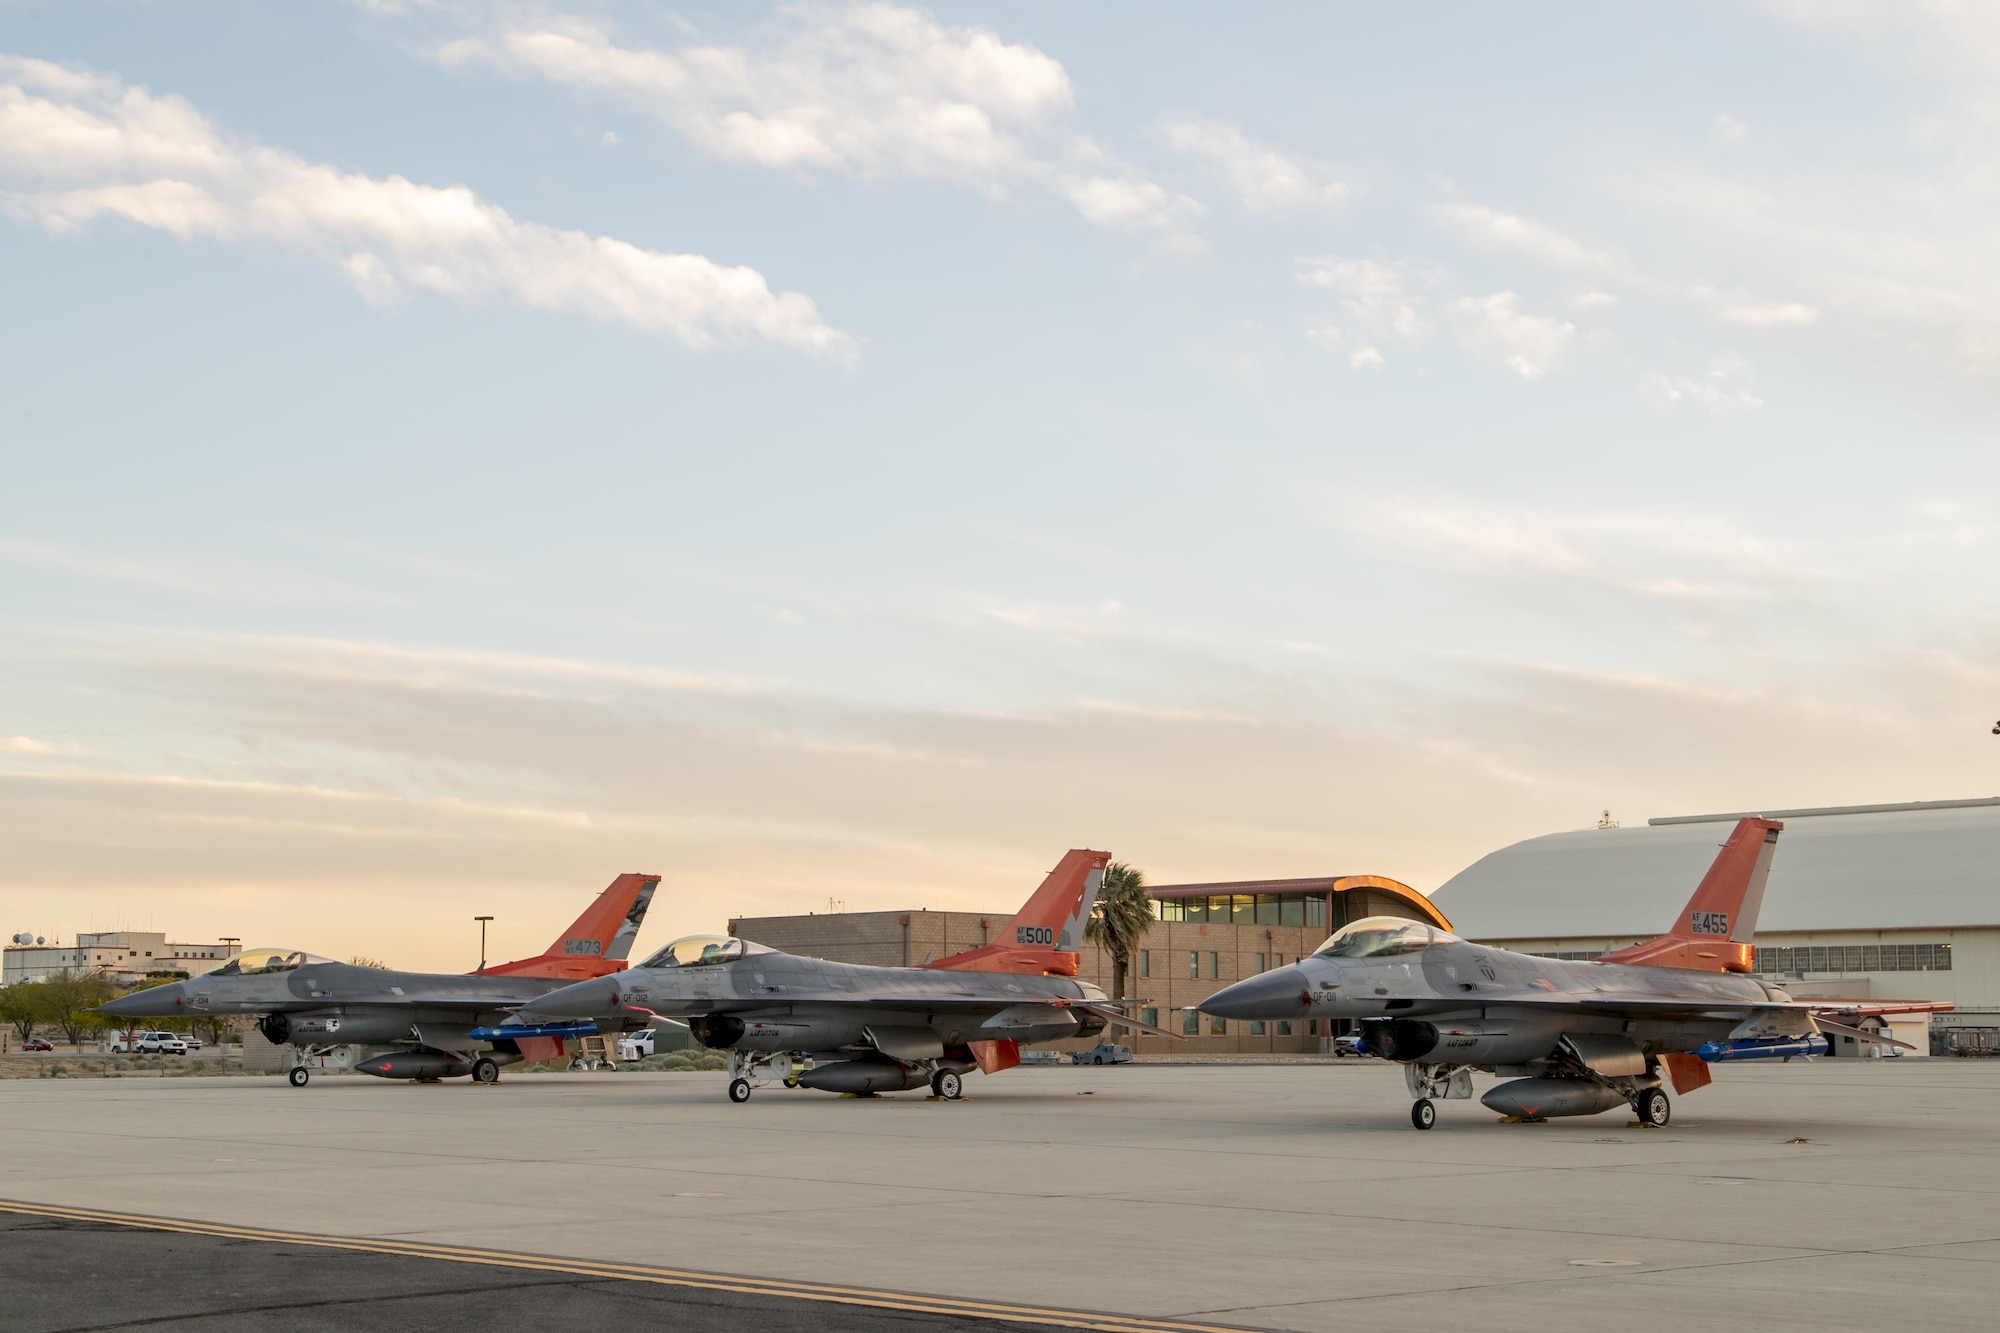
(1863, 1034)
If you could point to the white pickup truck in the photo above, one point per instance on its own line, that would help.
(147, 1043)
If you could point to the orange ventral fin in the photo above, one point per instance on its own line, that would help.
(1043, 937)
(536, 1049)
(596, 943)
(1717, 927)
(994, 1056)
(1688, 1072)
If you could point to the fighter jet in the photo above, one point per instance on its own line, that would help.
(1576, 1038)
(420, 1022)
(840, 1027)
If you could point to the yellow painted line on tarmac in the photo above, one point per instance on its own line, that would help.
(672, 1277)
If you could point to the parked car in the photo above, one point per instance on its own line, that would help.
(1104, 1053)
(635, 1046)
(38, 1044)
(1348, 1046)
(193, 1042)
(147, 1043)
(1041, 1057)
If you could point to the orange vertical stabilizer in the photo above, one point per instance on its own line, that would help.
(1716, 929)
(596, 943)
(1044, 935)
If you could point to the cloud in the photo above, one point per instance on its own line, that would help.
(1718, 390)
(77, 146)
(871, 92)
(1376, 297)
(1264, 179)
(1496, 328)
(1491, 229)
(27, 745)
(1770, 316)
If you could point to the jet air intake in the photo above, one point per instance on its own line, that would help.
(718, 1032)
(1399, 1038)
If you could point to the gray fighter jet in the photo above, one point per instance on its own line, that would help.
(840, 1027)
(1576, 1037)
(421, 1022)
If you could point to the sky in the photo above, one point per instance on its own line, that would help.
(847, 455)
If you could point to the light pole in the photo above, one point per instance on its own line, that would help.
(482, 920)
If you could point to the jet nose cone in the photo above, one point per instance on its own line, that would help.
(585, 999)
(1279, 993)
(159, 1002)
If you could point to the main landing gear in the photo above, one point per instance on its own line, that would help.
(1424, 1113)
(485, 1070)
(1652, 1108)
(300, 1076)
(947, 1084)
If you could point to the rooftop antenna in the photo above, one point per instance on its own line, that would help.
(1606, 821)
(482, 920)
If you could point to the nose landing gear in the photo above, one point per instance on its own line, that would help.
(1424, 1113)
(299, 1076)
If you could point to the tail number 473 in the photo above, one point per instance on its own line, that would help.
(1034, 935)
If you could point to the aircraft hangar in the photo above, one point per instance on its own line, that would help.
(1870, 902)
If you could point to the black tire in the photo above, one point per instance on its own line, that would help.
(485, 1070)
(739, 1090)
(300, 1076)
(1423, 1114)
(947, 1084)
(1653, 1107)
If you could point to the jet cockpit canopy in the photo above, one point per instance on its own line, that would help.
(703, 951)
(1380, 937)
(258, 962)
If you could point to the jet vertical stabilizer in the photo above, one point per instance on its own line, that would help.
(1717, 927)
(1044, 936)
(596, 943)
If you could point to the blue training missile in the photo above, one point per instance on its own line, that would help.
(1762, 1048)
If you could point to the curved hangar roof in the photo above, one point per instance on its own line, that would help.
(1927, 864)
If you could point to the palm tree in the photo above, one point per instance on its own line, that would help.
(1121, 919)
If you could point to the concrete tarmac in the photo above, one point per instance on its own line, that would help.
(1836, 1195)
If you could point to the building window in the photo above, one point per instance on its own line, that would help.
(1268, 910)
(1173, 909)
(1256, 1027)
(1277, 960)
(1194, 964)
(1316, 911)
(1214, 965)
(1151, 1016)
(1145, 962)
(1217, 1027)
(1284, 1027)
(1855, 958)
(1260, 962)
(1292, 910)
(1190, 1022)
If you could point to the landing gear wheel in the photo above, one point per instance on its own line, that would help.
(739, 1090)
(485, 1070)
(948, 1085)
(1423, 1115)
(299, 1076)
(1653, 1108)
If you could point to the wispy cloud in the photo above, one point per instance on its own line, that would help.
(869, 91)
(1267, 181)
(77, 146)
